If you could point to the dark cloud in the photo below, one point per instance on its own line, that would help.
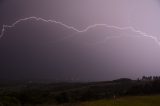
(1, 1)
(38, 50)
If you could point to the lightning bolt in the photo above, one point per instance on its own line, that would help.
(81, 31)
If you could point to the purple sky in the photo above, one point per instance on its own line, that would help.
(40, 50)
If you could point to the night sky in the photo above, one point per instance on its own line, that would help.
(87, 40)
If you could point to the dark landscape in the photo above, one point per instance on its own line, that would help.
(74, 93)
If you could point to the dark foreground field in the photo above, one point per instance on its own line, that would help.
(124, 101)
(121, 92)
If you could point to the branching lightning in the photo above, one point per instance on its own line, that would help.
(81, 31)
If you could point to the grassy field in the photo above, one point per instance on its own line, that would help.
(94, 93)
(124, 101)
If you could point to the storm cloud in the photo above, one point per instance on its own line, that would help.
(35, 50)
